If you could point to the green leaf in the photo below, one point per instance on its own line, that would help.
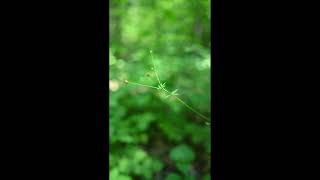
(190, 178)
(112, 59)
(182, 153)
(173, 176)
(207, 177)
(123, 177)
(115, 175)
(124, 165)
(157, 165)
(183, 167)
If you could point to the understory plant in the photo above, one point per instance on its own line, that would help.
(161, 86)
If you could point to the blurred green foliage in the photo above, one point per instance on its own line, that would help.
(152, 137)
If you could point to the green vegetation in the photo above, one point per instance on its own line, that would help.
(159, 101)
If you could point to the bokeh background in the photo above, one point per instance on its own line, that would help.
(152, 137)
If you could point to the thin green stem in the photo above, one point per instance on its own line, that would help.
(154, 67)
(165, 90)
(189, 107)
(180, 100)
(138, 84)
(161, 87)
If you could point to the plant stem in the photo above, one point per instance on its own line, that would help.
(142, 85)
(161, 87)
(154, 67)
(189, 107)
(180, 100)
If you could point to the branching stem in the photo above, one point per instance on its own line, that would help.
(162, 88)
(180, 100)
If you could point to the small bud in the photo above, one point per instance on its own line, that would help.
(151, 51)
(126, 81)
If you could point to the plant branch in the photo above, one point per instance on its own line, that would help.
(189, 107)
(138, 84)
(154, 67)
(180, 100)
(161, 87)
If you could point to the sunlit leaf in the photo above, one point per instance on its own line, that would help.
(182, 153)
